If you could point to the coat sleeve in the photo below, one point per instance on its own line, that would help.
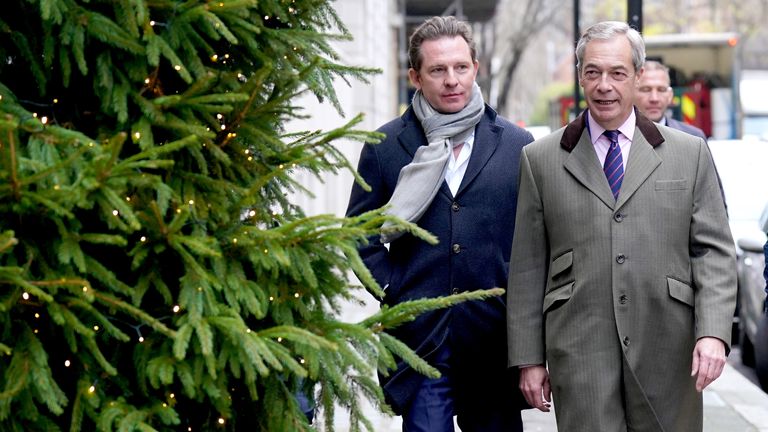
(374, 254)
(713, 255)
(527, 274)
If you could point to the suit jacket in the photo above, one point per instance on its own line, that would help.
(685, 127)
(613, 295)
(474, 229)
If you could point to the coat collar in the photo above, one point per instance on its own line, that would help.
(487, 135)
(575, 129)
(585, 167)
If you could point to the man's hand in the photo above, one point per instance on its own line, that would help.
(534, 383)
(708, 361)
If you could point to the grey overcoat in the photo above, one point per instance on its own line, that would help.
(613, 295)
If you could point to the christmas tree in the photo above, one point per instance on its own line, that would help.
(153, 273)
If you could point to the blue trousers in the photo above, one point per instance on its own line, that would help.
(433, 407)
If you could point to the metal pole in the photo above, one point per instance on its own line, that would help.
(635, 14)
(576, 36)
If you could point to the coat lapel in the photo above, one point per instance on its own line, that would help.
(642, 161)
(486, 140)
(412, 136)
(585, 167)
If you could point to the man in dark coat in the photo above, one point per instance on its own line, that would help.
(449, 164)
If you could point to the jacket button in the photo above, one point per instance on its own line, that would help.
(618, 217)
(621, 258)
(626, 340)
(455, 206)
(623, 299)
(456, 248)
(455, 291)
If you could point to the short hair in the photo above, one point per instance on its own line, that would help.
(606, 30)
(655, 65)
(435, 28)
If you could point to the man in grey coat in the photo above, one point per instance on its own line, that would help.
(623, 286)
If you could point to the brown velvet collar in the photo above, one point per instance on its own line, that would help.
(573, 131)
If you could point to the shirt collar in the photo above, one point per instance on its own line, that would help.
(627, 128)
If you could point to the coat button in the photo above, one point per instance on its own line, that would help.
(456, 248)
(618, 217)
(455, 206)
(626, 340)
(623, 299)
(621, 258)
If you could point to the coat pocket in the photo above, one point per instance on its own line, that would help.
(561, 265)
(557, 296)
(680, 291)
(671, 185)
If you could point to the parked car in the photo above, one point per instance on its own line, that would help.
(742, 166)
(753, 321)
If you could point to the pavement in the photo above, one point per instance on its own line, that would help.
(732, 403)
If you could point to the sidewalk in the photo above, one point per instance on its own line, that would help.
(731, 404)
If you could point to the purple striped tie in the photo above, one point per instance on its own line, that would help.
(614, 166)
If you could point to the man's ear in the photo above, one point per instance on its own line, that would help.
(413, 75)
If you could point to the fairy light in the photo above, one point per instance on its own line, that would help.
(56, 187)
(115, 212)
(143, 239)
(176, 309)
(219, 116)
(172, 396)
(177, 67)
(221, 421)
(279, 339)
(234, 240)
(296, 295)
(214, 58)
(191, 202)
(146, 81)
(137, 135)
(226, 56)
(223, 127)
(44, 119)
(250, 158)
(141, 339)
(25, 295)
(34, 115)
(252, 213)
(67, 363)
(128, 199)
(165, 405)
(152, 23)
(271, 298)
(281, 166)
(37, 315)
(247, 330)
(95, 328)
(301, 361)
(178, 210)
(91, 389)
(85, 289)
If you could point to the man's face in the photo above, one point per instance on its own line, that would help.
(609, 79)
(447, 73)
(653, 94)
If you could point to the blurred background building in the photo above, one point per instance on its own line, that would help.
(525, 50)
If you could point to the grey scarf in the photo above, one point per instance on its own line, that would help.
(419, 181)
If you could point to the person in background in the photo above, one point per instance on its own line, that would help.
(654, 95)
(449, 164)
(623, 283)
